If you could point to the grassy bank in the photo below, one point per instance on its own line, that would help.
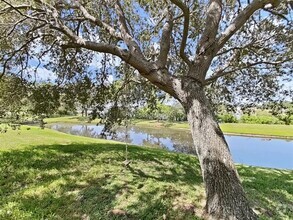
(259, 129)
(50, 175)
(70, 119)
(285, 131)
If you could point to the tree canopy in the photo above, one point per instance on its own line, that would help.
(251, 48)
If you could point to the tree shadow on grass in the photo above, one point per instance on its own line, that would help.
(89, 181)
(269, 190)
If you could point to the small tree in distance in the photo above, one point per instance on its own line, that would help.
(283, 111)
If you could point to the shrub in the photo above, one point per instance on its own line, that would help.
(227, 118)
(260, 119)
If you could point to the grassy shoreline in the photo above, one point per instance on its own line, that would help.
(70, 119)
(257, 130)
(46, 174)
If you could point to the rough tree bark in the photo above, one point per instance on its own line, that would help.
(225, 196)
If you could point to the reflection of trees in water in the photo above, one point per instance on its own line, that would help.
(165, 138)
(81, 130)
(152, 141)
(88, 131)
(181, 139)
(123, 135)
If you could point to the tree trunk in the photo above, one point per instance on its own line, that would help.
(225, 196)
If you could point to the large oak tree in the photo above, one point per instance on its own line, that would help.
(180, 46)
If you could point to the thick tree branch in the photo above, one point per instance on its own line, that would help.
(205, 50)
(213, 18)
(186, 15)
(165, 40)
(129, 40)
(240, 20)
(146, 69)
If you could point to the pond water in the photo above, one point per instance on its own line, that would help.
(263, 152)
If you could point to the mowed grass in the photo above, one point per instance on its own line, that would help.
(33, 136)
(50, 175)
(285, 131)
(259, 129)
(70, 119)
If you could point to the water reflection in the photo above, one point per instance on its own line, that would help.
(274, 153)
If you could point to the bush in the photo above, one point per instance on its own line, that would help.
(260, 120)
(227, 118)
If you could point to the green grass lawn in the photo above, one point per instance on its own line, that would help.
(285, 131)
(259, 129)
(49, 175)
(70, 119)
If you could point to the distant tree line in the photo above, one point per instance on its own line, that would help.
(21, 99)
(270, 113)
(162, 112)
(280, 112)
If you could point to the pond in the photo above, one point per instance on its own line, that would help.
(263, 152)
